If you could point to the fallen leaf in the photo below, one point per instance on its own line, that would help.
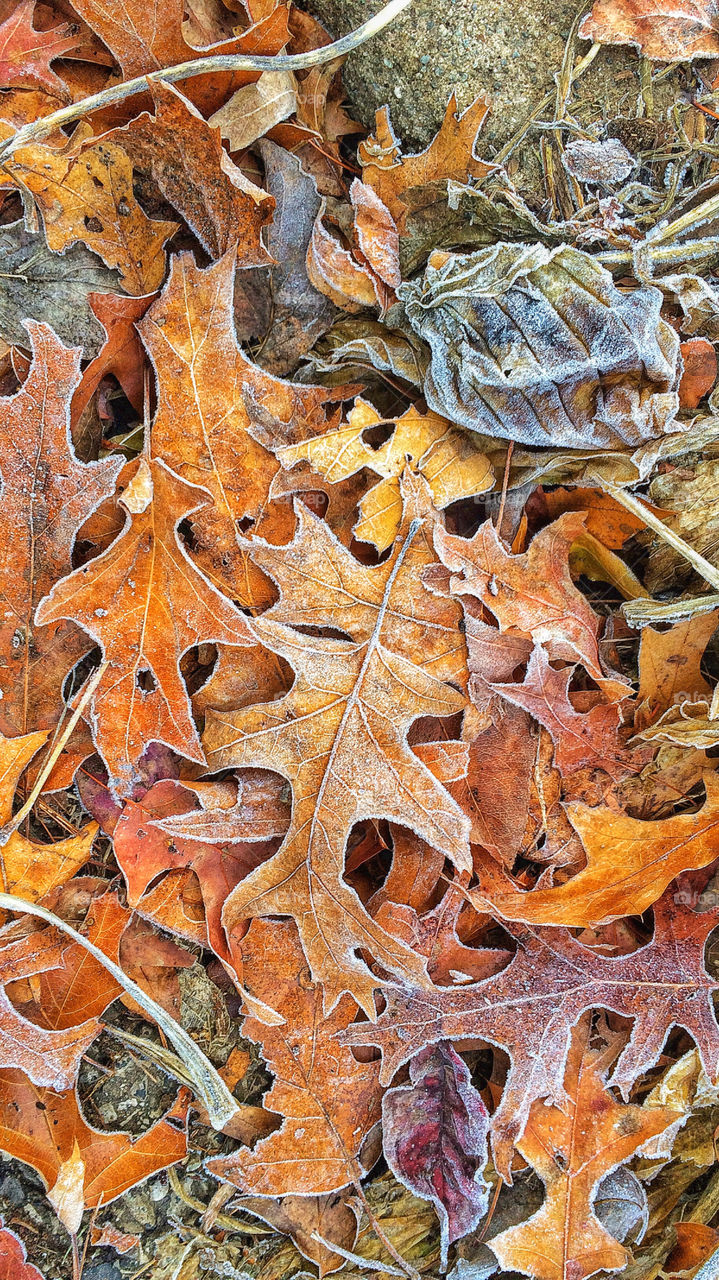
(670, 666)
(335, 272)
(377, 235)
(89, 197)
(13, 1258)
(314, 1223)
(256, 108)
(538, 346)
(328, 1100)
(120, 355)
(572, 1148)
(435, 1140)
(677, 31)
(700, 371)
(26, 54)
(155, 606)
(46, 496)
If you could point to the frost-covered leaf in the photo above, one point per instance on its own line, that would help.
(665, 30)
(537, 345)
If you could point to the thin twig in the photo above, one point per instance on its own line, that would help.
(376, 1226)
(631, 503)
(203, 66)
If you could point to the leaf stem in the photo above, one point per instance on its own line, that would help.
(203, 66)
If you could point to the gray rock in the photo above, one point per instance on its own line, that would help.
(508, 49)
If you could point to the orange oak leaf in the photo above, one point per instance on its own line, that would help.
(329, 1101)
(26, 54)
(42, 1129)
(337, 273)
(664, 30)
(188, 163)
(89, 197)
(630, 862)
(13, 1258)
(28, 869)
(207, 390)
(572, 1148)
(144, 602)
(450, 155)
(46, 496)
(700, 371)
(340, 738)
(121, 353)
(670, 666)
(304, 1218)
(582, 740)
(529, 594)
(377, 235)
(530, 1007)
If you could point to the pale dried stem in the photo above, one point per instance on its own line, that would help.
(203, 66)
(631, 503)
(207, 1083)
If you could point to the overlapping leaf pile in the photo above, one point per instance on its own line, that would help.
(338, 667)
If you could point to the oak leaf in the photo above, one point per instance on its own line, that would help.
(26, 54)
(121, 353)
(531, 594)
(530, 1007)
(630, 862)
(13, 1258)
(452, 465)
(434, 1138)
(670, 666)
(677, 31)
(41, 1128)
(450, 155)
(89, 197)
(188, 163)
(329, 1101)
(46, 496)
(304, 1218)
(144, 602)
(207, 392)
(572, 1148)
(340, 738)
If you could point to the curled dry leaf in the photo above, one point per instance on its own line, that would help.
(537, 345)
(255, 109)
(435, 1140)
(314, 1223)
(677, 31)
(151, 591)
(90, 198)
(329, 1101)
(700, 371)
(572, 1147)
(336, 273)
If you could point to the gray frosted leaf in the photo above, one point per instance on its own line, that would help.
(51, 287)
(434, 1135)
(621, 1205)
(537, 345)
(605, 164)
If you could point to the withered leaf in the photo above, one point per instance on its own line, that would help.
(339, 737)
(46, 496)
(26, 54)
(155, 605)
(328, 1100)
(13, 1258)
(89, 197)
(304, 1218)
(677, 31)
(537, 345)
(530, 1007)
(435, 1139)
(572, 1147)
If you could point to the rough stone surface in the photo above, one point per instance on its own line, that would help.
(508, 49)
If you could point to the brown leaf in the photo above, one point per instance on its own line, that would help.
(670, 666)
(26, 54)
(328, 1099)
(673, 31)
(255, 109)
(89, 197)
(145, 603)
(46, 496)
(572, 1148)
(304, 1218)
(336, 273)
(376, 233)
(121, 354)
(700, 370)
(13, 1264)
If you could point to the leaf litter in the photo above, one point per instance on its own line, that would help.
(359, 660)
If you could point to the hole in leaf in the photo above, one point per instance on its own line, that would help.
(145, 680)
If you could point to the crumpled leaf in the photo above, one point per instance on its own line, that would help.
(121, 354)
(41, 1128)
(392, 175)
(156, 605)
(664, 30)
(434, 1138)
(445, 456)
(661, 985)
(90, 198)
(26, 54)
(306, 1217)
(339, 737)
(538, 346)
(328, 1100)
(46, 496)
(376, 232)
(185, 156)
(41, 285)
(337, 273)
(630, 862)
(687, 724)
(605, 164)
(572, 1148)
(700, 371)
(208, 393)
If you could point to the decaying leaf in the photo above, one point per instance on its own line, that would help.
(537, 345)
(676, 31)
(255, 109)
(13, 1258)
(26, 54)
(435, 1139)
